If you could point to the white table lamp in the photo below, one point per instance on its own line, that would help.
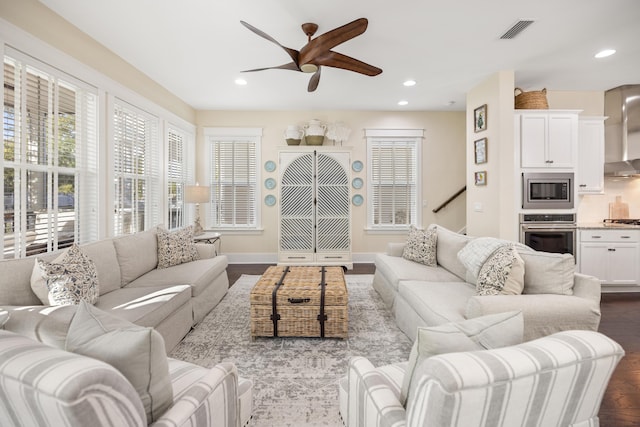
(197, 194)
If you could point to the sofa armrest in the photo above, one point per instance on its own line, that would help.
(212, 399)
(588, 287)
(543, 314)
(372, 401)
(395, 249)
(206, 250)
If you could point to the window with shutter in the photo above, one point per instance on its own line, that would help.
(50, 158)
(180, 166)
(393, 178)
(233, 177)
(136, 160)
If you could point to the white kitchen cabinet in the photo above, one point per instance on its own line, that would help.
(315, 207)
(612, 256)
(548, 139)
(590, 173)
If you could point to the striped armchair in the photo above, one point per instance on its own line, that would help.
(558, 380)
(44, 386)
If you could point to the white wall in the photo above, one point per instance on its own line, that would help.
(594, 208)
(443, 169)
(491, 208)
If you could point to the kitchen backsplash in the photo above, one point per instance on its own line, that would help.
(595, 208)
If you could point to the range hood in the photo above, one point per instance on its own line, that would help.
(622, 131)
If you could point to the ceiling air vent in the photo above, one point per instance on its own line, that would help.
(516, 29)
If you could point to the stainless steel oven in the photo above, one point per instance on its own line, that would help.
(549, 232)
(547, 190)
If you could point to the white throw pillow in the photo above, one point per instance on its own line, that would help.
(477, 251)
(480, 333)
(548, 273)
(137, 352)
(502, 273)
(176, 247)
(421, 246)
(69, 279)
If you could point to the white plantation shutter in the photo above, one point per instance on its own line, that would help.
(233, 177)
(393, 178)
(180, 167)
(50, 158)
(137, 180)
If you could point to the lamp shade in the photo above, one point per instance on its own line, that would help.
(196, 194)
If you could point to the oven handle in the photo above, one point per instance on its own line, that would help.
(549, 227)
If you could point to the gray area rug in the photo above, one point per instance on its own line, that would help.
(295, 379)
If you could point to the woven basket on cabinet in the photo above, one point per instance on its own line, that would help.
(533, 100)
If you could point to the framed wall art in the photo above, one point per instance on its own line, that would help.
(481, 178)
(480, 151)
(480, 118)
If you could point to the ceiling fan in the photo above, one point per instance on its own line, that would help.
(317, 52)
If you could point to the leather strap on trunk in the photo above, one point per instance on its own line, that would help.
(322, 317)
(274, 305)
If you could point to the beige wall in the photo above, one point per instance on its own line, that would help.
(590, 102)
(491, 208)
(40, 21)
(443, 166)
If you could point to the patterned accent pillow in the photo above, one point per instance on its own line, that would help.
(71, 279)
(176, 247)
(421, 246)
(502, 273)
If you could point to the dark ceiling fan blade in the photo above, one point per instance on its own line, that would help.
(339, 35)
(313, 82)
(338, 60)
(290, 66)
(294, 54)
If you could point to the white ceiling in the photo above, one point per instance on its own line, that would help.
(197, 48)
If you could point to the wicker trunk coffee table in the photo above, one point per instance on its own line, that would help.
(300, 302)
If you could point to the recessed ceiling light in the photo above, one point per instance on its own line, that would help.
(241, 82)
(409, 83)
(403, 102)
(604, 53)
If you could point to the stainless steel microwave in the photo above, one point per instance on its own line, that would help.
(542, 190)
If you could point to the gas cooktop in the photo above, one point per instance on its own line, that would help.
(624, 221)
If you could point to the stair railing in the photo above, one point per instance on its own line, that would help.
(450, 199)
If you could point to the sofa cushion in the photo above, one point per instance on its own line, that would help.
(137, 352)
(69, 279)
(103, 255)
(449, 244)
(147, 306)
(175, 247)
(197, 274)
(16, 276)
(396, 269)
(548, 273)
(44, 323)
(502, 273)
(421, 246)
(481, 333)
(437, 302)
(137, 254)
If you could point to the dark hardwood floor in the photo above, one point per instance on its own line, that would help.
(620, 321)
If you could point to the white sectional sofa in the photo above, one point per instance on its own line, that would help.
(171, 300)
(555, 298)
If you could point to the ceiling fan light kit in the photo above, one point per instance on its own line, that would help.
(317, 52)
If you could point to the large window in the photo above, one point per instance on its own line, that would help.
(393, 178)
(233, 177)
(136, 160)
(180, 166)
(50, 158)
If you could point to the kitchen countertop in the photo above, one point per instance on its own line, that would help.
(603, 226)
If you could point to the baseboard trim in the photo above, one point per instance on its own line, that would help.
(272, 258)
